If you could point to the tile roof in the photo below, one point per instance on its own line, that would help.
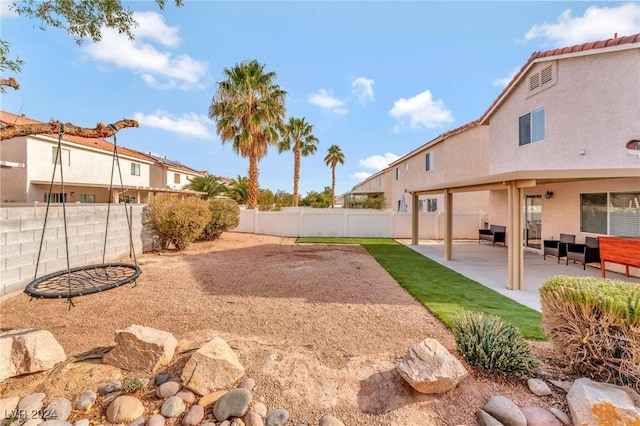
(171, 164)
(536, 56)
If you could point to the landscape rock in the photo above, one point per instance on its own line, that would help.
(59, 409)
(156, 420)
(595, 403)
(141, 349)
(538, 387)
(234, 403)
(8, 406)
(260, 409)
(160, 379)
(429, 368)
(124, 409)
(538, 416)
(167, 389)
(562, 384)
(247, 384)
(172, 407)
(32, 403)
(561, 415)
(211, 398)
(276, 417)
(55, 423)
(85, 400)
(328, 420)
(187, 396)
(213, 367)
(106, 388)
(486, 419)
(137, 422)
(194, 416)
(27, 351)
(253, 419)
(237, 422)
(505, 411)
(82, 422)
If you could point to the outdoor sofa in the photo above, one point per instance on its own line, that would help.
(584, 253)
(557, 248)
(495, 234)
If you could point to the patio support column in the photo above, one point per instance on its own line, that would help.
(448, 225)
(415, 222)
(515, 256)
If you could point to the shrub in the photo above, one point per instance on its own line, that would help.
(225, 215)
(595, 323)
(178, 221)
(132, 384)
(493, 344)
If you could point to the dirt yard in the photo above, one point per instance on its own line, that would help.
(320, 328)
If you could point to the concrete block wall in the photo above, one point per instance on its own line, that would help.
(21, 228)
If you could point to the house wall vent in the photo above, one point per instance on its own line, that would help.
(534, 81)
(546, 76)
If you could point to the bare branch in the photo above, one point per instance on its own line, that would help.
(53, 128)
(11, 82)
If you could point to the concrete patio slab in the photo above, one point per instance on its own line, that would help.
(487, 265)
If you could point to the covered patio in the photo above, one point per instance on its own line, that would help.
(488, 266)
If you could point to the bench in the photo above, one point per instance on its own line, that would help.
(495, 234)
(622, 250)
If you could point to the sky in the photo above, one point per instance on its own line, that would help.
(376, 78)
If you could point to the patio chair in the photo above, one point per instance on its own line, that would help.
(557, 248)
(584, 253)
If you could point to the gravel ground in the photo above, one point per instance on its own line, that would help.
(320, 327)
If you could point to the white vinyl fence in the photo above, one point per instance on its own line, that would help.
(308, 222)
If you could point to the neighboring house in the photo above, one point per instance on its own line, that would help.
(166, 173)
(87, 165)
(550, 153)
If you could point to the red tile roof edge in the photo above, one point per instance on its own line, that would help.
(593, 45)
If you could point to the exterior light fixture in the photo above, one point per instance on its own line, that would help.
(548, 195)
(633, 147)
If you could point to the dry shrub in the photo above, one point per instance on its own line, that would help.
(178, 221)
(225, 215)
(596, 324)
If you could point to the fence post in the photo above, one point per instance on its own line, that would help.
(300, 220)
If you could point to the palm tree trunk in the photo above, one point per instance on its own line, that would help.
(333, 184)
(253, 182)
(296, 174)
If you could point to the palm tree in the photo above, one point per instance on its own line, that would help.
(249, 108)
(238, 189)
(297, 136)
(209, 184)
(333, 157)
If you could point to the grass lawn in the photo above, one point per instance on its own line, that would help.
(443, 291)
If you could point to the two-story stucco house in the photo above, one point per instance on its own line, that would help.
(28, 165)
(167, 173)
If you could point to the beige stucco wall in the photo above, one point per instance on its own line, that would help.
(591, 112)
(13, 181)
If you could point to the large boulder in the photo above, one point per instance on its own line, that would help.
(429, 368)
(596, 403)
(141, 349)
(28, 351)
(213, 367)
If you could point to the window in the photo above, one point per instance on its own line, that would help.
(406, 166)
(429, 161)
(397, 173)
(86, 198)
(428, 205)
(65, 156)
(176, 178)
(135, 169)
(532, 126)
(611, 214)
(55, 197)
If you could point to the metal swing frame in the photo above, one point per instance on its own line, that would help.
(82, 280)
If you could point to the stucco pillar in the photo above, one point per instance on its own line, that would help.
(515, 255)
(415, 222)
(448, 225)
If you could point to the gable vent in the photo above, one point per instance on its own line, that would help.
(534, 82)
(546, 75)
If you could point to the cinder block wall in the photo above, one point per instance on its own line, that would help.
(21, 230)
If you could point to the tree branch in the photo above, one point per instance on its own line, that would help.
(11, 82)
(53, 128)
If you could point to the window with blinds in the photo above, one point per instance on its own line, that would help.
(611, 213)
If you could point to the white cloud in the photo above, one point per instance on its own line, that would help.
(378, 162)
(190, 124)
(597, 23)
(158, 69)
(360, 175)
(362, 87)
(502, 82)
(324, 99)
(5, 10)
(421, 111)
